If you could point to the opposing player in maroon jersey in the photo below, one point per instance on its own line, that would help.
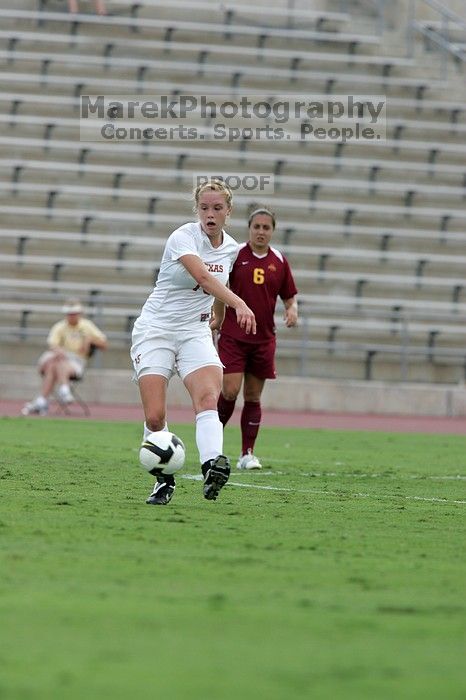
(260, 274)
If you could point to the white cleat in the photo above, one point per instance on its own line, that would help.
(35, 407)
(248, 461)
(64, 395)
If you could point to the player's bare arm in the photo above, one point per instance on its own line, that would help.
(211, 285)
(291, 312)
(218, 314)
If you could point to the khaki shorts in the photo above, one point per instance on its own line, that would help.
(158, 351)
(76, 362)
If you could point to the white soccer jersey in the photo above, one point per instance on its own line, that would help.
(177, 301)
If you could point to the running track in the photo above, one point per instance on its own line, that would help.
(332, 421)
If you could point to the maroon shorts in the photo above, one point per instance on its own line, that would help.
(254, 358)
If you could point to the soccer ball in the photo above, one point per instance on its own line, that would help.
(162, 453)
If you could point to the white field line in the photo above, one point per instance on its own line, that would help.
(455, 477)
(359, 475)
(325, 492)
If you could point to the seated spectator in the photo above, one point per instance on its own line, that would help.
(70, 342)
(99, 5)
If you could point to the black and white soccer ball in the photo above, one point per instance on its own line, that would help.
(162, 452)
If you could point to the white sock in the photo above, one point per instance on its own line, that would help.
(41, 401)
(148, 432)
(209, 435)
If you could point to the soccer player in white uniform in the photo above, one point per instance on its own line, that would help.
(174, 332)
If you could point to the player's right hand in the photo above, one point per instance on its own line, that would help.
(245, 318)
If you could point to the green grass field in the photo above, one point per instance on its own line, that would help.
(336, 572)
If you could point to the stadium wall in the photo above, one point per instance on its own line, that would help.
(286, 393)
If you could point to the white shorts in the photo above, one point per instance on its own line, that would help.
(76, 362)
(159, 351)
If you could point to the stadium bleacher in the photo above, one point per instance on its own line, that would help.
(375, 232)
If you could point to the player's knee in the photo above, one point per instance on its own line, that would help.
(229, 394)
(207, 401)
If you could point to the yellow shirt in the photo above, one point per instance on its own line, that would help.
(71, 338)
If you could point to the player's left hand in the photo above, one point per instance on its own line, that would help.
(291, 317)
(215, 323)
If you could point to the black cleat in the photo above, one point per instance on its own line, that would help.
(163, 492)
(216, 474)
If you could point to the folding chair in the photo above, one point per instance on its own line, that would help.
(66, 408)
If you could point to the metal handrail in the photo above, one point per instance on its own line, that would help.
(445, 11)
(437, 37)
(447, 16)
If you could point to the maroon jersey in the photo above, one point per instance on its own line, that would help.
(259, 280)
